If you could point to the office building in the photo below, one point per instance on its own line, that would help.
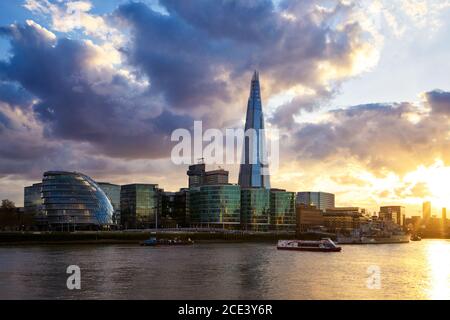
(196, 174)
(321, 200)
(255, 209)
(254, 167)
(215, 206)
(72, 200)
(340, 219)
(140, 205)
(282, 210)
(33, 204)
(308, 217)
(219, 176)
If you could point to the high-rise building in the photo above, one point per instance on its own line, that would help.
(113, 193)
(282, 210)
(196, 174)
(395, 214)
(255, 209)
(74, 200)
(426, 211)
(215, 206)
(444, 215)
(140, 205)
(321, 200)
(254, 168)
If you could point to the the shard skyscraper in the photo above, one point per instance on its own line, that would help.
(254, 171)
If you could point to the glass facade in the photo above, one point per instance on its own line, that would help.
(32, 199)
(112, 191)
(74, 199)
(282, 210)
(255, 209)
(140, 204)
(251, 172)
(321, 200)
(215, 206)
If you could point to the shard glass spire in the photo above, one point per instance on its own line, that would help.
(254, 171)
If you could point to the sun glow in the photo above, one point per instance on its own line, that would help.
(435, 179)
(439, 262)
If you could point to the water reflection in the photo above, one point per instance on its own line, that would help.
(438, 255)
(418, 270)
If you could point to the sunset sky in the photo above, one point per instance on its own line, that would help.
(360, 91)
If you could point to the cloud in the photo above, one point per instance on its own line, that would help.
(80, 97)
(102, 93)
(438, 101)
(382, 136)
(201, 65)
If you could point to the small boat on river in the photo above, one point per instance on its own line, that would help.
(324, 245)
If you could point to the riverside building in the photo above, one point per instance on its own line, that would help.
(282, 210)
(72, 200)
(140, 205)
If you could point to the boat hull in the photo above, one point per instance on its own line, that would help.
(368, 240)
(312, 249)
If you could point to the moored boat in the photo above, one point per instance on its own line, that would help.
(166, 242)
(324, 245)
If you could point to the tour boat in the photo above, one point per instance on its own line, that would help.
(324, 245)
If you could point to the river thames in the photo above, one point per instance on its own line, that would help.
(418, 270)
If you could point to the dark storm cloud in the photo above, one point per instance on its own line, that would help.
(186, 52)
(70, 107)
(198, 59)
(14, 94)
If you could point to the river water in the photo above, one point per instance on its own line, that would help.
(418, 270)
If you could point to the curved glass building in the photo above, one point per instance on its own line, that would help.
(74, 200)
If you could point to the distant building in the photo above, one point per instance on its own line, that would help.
(198, 176)
(413, 223)
(426, 211)
(73, 200)
(282, 210)
(216, 177)
(444, 215)
(140, 205)
(395, 214)
(215, 206)
(321, 200)
(33, 204)
(113, 193)
(255, 209)
(340, 219)
(308, 217)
